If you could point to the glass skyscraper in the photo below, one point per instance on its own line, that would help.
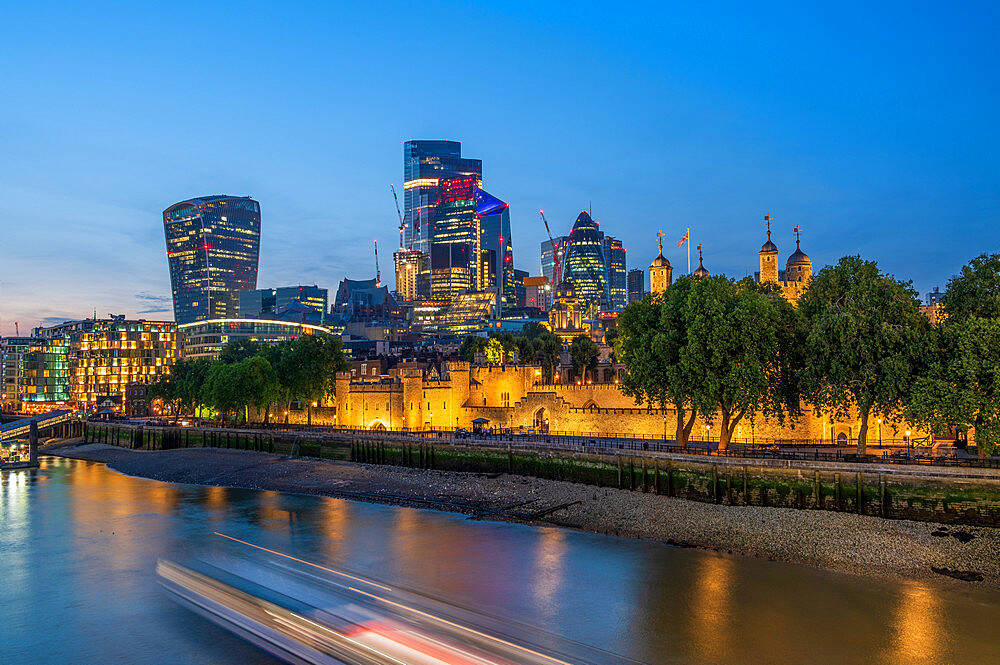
(497, 249)
(425, 164)
(636, 285)
(614, 256)
(213, 245)
(584, 264)
(548, 260)
(455, 241)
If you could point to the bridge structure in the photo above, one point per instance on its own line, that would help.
(61, 422)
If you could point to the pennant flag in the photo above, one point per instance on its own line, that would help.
(684, 239)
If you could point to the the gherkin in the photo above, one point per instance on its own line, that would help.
(584, 266)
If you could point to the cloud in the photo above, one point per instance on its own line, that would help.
(153, 298)
(153, 311)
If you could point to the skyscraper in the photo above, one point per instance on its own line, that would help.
(636, 285)
(614, 256)
(213, 245)
(496, 247)
(455, 242)
(548, 261)
(425, 163)
(585, 266)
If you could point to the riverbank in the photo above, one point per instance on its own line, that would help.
(840, 541)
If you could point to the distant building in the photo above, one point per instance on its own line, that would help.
(549, 258)
(213, 245)
(566, 314)
(585, 266)
(496, 248)
(410, 264)
(13, 351)
(796, 276)
(425, 164)
(614, 257)
(934, 297)
(363, 300)
(519, 288)
(636, 285)
(206, 339)
(537, 292)
(304, 304)
(92, 359)
(661, 273)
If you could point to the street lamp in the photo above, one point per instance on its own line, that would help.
(908, 446)
(880, 432)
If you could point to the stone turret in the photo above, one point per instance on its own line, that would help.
(799, 267)
(700, 271)
(768, 257)
(661, 273)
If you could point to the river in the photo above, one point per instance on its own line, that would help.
(79, 542)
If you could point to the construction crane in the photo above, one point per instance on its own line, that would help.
(399, 213)
(557, 268)
(378, 275)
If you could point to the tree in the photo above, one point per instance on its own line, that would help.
(494, 351)
(223, 391)
(166, 388)
(471, 345)
(238, 349)
(651, 338)
(584, 353)
(259, 382)
(191, 377)
(862, 328)
(740, 355)
(310, 365)
(975, 292)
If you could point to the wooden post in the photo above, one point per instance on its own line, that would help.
(619, 472)
(642, 470)
(670, 478)
(817, 503)
(836, 491)
(656, 476)
(715, 484)
(746, 493)
(861, 495)
(631, 473)
(881, 496)
(729, 485)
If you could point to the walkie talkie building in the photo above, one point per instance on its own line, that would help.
(213, 248)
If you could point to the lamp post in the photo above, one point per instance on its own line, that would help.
(879, 432)
(708, 437)
(909, 447)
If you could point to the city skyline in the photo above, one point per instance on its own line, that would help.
(710, 129)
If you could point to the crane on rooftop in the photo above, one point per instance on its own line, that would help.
(399, 213)
(557, 268)
(378, 275)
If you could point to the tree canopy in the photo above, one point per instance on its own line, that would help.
(975, 292)
(583, 352)
(863, 329)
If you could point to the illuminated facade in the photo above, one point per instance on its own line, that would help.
(661, 273)
(585, 265)
(103, 356)
(614, 257)
(425, 163)
(213, 247)
(797, 274)
(305, 304)
(47, 371)
(537, 292)
(12, 355)
(205, 339)
(409, 265)
(455, 243)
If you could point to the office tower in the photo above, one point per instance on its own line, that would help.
(13, 353)
(206, 339)
(537, 292)
(425, 164)
(614, 255)
(304, 304)
(585, 265)
(548, 261)
(496, 248)
(636, 285)
(101, 357)
(213, 245)
(455, 239)
(409, 265)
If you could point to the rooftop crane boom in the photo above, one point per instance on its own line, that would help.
(399, 213)
(378, 275)
(557, 268)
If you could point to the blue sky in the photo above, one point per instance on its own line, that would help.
(871, 125)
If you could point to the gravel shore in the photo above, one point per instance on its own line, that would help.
(840, 541)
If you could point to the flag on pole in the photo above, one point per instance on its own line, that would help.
(684, 239)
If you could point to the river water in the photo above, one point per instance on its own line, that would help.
(78, 546)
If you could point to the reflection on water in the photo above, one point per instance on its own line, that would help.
(78, 546)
